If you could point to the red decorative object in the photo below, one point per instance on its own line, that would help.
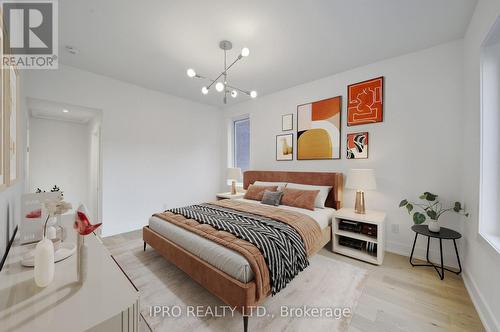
(365, 102)
(82, 223)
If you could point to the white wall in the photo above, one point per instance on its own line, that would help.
(482, 262)
(158, 151)
(59, 155)
(417, 147)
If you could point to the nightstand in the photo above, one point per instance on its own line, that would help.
(360, 236)
(229, 196)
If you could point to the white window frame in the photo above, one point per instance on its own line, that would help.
(484, 222)
(231, 151)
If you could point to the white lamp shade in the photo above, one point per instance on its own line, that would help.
(234, 173)
(361, 179)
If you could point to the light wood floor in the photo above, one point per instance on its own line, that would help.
(396, 297)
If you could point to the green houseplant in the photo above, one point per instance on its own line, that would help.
(431, 208)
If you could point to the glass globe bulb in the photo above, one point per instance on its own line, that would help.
(245, 51)
(219, 86)
(234, 93)
(253, 94)
(204, 90)
(191, 73)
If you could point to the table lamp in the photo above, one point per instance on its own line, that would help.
(361, 180)
(233, 174)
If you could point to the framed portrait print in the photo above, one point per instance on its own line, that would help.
(318, 129)
(284, 147)
(287, 122)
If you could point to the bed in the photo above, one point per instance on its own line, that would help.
(224, 272)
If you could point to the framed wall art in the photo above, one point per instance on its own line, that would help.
(357, 145)
(3, 176)
(318, 129)
(287, 122)
(284, 147)
(365, 102)
(12, 113)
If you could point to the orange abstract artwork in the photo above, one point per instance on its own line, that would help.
(318, 129)
(365, 102)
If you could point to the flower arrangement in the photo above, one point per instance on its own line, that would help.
(54, 207)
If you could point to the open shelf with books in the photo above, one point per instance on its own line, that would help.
(361, 236)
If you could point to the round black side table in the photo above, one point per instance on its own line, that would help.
(443, 234)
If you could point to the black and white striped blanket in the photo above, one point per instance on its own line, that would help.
(280, 244)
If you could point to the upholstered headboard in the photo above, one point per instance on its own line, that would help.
(335, 180)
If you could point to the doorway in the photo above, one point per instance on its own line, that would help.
(64, 150)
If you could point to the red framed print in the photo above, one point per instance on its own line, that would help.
(365, 102)
(357, 145)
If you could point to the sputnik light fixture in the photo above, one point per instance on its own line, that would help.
(221, 83)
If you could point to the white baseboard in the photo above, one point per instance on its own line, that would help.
(489, 320)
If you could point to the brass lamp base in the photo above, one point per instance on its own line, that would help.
(359, 207)
(233, 188)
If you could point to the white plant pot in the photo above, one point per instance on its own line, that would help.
(434, 226)
(44, 262)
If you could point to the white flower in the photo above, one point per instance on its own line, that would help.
(57, 207)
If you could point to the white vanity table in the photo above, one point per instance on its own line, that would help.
(105, 301)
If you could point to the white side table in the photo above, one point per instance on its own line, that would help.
(365, 237)
(229, 196)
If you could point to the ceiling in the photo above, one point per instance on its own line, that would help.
(48, 110)
(152, 43)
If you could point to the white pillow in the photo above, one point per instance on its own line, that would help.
(280, 185)
(322, 195)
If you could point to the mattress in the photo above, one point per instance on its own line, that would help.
(225, 259)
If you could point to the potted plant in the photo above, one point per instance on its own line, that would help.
(432, 208)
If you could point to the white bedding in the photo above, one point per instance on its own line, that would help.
(225, 259)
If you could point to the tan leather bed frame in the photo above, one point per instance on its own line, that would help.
(230, 290)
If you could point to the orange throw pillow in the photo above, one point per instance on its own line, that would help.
(299, 198)
(257, 192)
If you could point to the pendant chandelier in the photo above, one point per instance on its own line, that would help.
(221, 82)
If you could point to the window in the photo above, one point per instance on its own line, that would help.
(241, 143)
(489, 202)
